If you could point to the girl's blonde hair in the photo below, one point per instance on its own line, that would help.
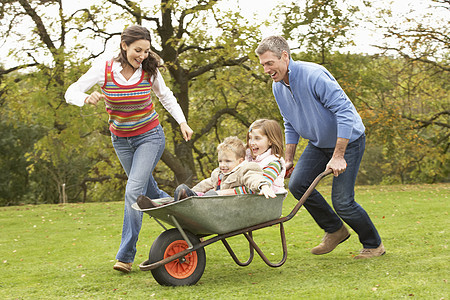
(272, 130)
(234, 144)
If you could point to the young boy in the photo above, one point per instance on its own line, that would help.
(234, 175)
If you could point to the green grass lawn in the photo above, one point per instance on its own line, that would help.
(67, 251)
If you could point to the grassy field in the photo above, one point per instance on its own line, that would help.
(67, 251)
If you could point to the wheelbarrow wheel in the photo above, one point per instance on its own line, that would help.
(186, 270)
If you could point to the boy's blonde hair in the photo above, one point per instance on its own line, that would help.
(273, 131)
(234, 144)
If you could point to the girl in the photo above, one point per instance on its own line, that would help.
(234, 175)
(265, 147)
(138, 139)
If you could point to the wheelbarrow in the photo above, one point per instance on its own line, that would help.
(177, 256)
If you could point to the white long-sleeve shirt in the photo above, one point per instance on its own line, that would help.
(76, 93)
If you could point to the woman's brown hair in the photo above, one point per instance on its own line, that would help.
(130, 35)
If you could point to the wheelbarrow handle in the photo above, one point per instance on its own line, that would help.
(308, 193)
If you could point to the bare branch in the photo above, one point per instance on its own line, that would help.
(421, 59)
(191, 10)
(215, 119)
(7, 71)
(184, 48)
(218, 63)
(182, 174)
(42, 31)
(256, 76)
(431, 121)
(133, 9)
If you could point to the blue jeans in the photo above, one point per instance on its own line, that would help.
(312, 162)
(138, 156)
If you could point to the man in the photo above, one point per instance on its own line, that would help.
(315, 107)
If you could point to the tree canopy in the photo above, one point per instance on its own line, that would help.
(51, 149)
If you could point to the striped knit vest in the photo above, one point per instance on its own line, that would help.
(263, 160)
(130, 107)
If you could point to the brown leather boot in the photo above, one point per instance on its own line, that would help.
(123, 266)
(369, 253)
(331, 240)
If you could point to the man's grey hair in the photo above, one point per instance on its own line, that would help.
(275, 43)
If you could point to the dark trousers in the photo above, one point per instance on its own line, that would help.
(312, 162)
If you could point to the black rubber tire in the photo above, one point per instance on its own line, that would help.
(194, 266)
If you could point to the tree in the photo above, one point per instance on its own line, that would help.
(36, 97)
(403, 99)
(194, 58)
(15, 142)
(215, 75)
(319, 27)
(198, 59)
(419, 96)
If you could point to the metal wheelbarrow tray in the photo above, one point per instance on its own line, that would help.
(177, 256)
(219, 214)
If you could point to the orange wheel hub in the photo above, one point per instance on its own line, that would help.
(183, 267)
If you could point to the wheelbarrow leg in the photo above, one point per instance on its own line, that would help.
(261, 254)
(233, 255)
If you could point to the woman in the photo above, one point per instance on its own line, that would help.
(138, 138)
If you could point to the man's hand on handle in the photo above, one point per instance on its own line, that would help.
(289, 169)
(289, 158)
(337, 163)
